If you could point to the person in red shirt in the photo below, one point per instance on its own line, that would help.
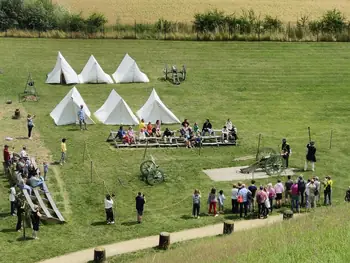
(7, 156)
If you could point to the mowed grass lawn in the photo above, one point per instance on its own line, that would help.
(276, 89)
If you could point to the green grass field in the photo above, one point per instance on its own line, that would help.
(276, 89)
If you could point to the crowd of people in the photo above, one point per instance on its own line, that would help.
(245, 199)
(191, 135)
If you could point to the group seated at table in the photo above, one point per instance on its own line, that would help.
(191, 136)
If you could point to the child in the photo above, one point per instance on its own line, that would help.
(196, 203)
(221, 201)
(46, 169)
(212, 200)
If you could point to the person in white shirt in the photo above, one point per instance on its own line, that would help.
(23, 153)
(307, 193)
(109, 209)
(221, 201)
(228, 124)
(279, 189)
(12, 199)
(234, 197)
(224, 134)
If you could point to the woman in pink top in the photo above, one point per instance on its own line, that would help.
(295, 197)
(272, 194)
(279, 189)
(158, 134)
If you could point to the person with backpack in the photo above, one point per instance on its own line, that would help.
(212, 201)
(196, 200)
(301, 189)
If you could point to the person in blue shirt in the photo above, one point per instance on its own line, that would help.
(81, 116)
(252, 188)
(243, 195)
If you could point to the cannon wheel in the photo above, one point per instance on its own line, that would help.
(146, 166)
(265, 152)
(183, 72)
(155, 176)
(274, 165)
(166, 72)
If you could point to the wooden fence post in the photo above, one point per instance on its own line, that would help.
(99, 255)
(164, 240)
(228, 227)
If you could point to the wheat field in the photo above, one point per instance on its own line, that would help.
(183, 10)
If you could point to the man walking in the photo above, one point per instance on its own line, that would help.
(140, 202)
(310, 156)
(285, 152)
(63, 151)
(81, 115)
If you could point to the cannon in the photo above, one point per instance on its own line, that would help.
(268, 160)
(151, 173)
(175, 75)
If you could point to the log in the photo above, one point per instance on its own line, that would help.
(287, 214)
(228, 227)
(99, 255)
(164, 240)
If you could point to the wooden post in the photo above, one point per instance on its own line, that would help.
(164, 240)
(257, 152)
(330, 140)
(91, 170)
(99, 255)
(228, 227)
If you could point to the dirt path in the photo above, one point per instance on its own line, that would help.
(119, 248)
(17, 130)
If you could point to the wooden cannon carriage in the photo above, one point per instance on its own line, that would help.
(175, 75)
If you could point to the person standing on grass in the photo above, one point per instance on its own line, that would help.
(310, 156)
(261, 197)
(7, 156)
(109, 209)
(81, 116)
(307, 193)
(328, 185)
(63, 151)
(285, 152)
(312, 194)
(318, 189)
(196, 200)
(288, 185)
(301, 189)
(35, 216)
(252, 188)
(295, 197)
(221, 199)
(46, 169)
(212, 201)
(279, 189)
(20, 211)
(243, 200)
(272, 195)
(140, 203)
(30, 125)
(12, 199)
(234, 194)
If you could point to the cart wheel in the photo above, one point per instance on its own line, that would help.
(265, 153)
(146, 166)
(155, 176)
(274, 165)
(184, 72)
(166, 72)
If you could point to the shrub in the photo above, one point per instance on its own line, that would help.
(272, 24)
(76, 23)
(96, 22)
(209, 22)
(333, 22)
(11, 14)
(36, 17)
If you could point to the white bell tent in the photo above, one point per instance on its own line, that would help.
(62, 73)
(66, 112)
(128, 72)
(93, 73)
(154, 109)
(116, 111)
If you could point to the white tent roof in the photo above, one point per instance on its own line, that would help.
(116, 111)
(128, 71)
(154, 109)
(66, 112)
(93, 73)
(62, 73)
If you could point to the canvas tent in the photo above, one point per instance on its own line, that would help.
(66, 112)
(128, 71)
(93, 73)
(154, 109)
(116, 111)
(62, 73)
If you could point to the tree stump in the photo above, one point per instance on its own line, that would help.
(99, 255)
(287, 214)
(228, 227)
(164, 240)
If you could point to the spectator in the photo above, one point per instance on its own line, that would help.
(288, 186)
(212, 201)
(140, 203)
(252, 188)
(185, 122)
(261, 198)
(7, 156)
(142, 135)
(129, 138)
(196, 129)
(221, 199)
(234, 201)
(318, 189)
(30, 125)
(196, 199)
(63, 151)
(328, 184)
(149, 131)
(12, 199)
(347, 195)
(233, 134)
(243, 200)
(109, 209)
(279, 189)
(142, 125)
(224, 134)
(307, 193)
(272, 195)
(23, 185)
(46, 169)
(301, 189)
(158, 132)
(166, 134)
(228, 124)
(35, 216)
(20, 211)
(295, 196)
(207, 128)
(312, 193)
(23, 154)
(121, 133)
(32, 172)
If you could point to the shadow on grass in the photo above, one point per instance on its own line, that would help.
(55, 163)
(8, 230)
(100, 223)
(21, 239)
(131, 223)
(21, 138)
(4, 214)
